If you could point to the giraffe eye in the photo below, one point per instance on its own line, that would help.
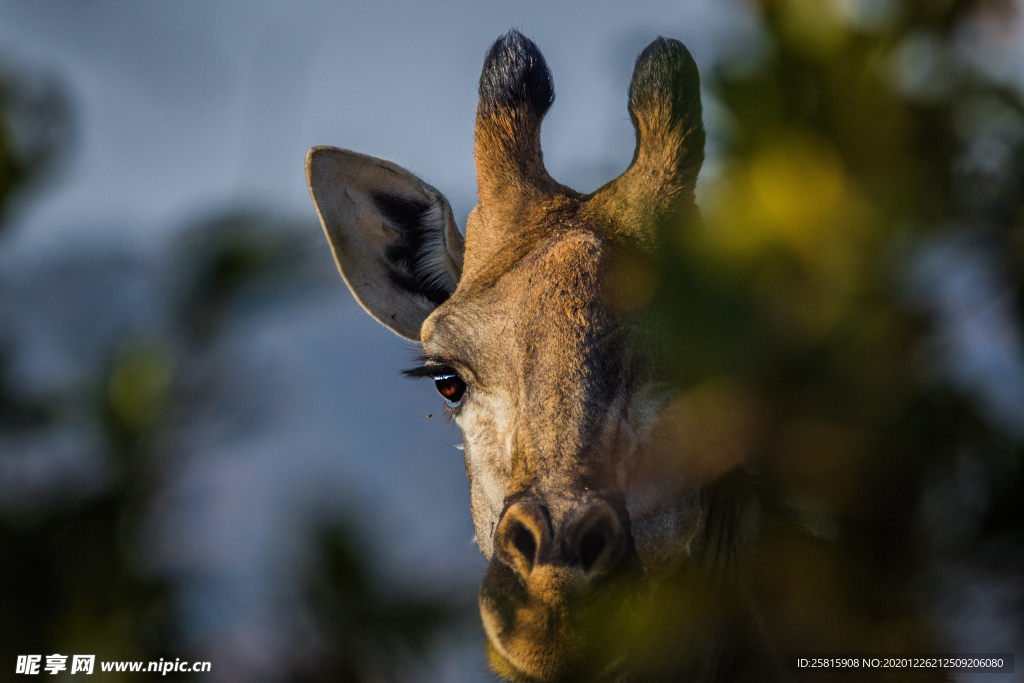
(451, 387)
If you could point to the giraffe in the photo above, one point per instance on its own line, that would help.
(535, 338)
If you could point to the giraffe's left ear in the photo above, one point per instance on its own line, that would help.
(393, 236)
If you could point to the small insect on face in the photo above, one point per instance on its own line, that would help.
(575, 500)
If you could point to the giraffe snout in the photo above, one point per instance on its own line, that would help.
(590, 539)
(559, 569)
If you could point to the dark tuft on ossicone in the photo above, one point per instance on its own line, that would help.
(666, 77)
(515, 75)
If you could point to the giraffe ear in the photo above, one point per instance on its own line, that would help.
(393, 236)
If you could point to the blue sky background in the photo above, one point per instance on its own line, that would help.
(188, 106)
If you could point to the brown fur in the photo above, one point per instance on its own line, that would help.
(576, 492)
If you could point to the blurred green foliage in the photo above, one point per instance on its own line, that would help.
(67, 577)
(369, 634)
(35, 131)
(74, 575)
(848, 144)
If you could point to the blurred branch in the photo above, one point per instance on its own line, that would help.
(35, 131)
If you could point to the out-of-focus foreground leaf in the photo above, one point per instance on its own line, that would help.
(852, 147)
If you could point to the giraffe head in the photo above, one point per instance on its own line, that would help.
(531, 332)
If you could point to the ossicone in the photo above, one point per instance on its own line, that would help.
(516, 77)
(515, 92)
(664, 94)
(665, 107)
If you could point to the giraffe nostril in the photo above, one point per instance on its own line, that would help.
(591, 546)
(522, 536)
(597, 540)
(525, 543)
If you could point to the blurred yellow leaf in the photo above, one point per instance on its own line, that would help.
(139, 386)
(815, 27)
(710, 428)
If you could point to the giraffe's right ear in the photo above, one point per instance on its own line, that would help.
(393, 236)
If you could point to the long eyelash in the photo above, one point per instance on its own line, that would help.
(432, 368)
(429, 371)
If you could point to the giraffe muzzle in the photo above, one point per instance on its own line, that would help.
(549, 577)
